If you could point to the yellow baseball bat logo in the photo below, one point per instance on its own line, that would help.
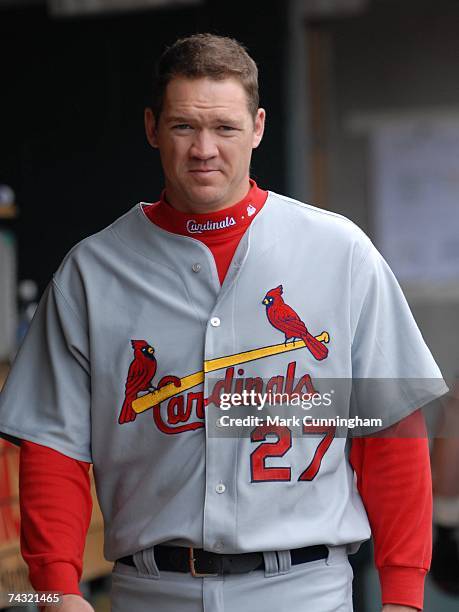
(188, 382)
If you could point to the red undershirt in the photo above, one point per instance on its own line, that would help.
(393, 473)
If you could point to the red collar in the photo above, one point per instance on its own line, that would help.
(213, 226)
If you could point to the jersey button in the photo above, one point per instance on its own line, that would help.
(196, 267)
(215, 321)
(219, 546)
(220, 488)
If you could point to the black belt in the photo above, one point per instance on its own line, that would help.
(201, 562)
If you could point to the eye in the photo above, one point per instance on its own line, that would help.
(226, 128)
(182, 126)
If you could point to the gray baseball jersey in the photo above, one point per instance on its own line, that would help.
(132, 335)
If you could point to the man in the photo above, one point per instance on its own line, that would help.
(220, 288)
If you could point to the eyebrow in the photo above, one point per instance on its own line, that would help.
(177, 119)
(221, 120)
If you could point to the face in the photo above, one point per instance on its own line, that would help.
(205, 136)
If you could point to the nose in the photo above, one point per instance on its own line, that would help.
(204, 146)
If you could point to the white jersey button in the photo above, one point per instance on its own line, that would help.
(196, 267)
(218, 423)
(215, 321)
(220, 488)
(219, 546)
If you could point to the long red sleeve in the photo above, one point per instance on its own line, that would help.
(56, 506)
(394, 481)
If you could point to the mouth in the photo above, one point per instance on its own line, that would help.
(203, 170)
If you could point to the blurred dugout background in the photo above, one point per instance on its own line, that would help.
(363, 119)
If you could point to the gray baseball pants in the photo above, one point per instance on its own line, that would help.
(317, 586)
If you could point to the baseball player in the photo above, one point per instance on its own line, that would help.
(221, 288)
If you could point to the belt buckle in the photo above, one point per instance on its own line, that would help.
(193, 571)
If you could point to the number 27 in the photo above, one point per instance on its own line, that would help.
(261, 473)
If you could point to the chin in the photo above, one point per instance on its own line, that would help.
(205, 194)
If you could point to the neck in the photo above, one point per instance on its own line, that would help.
(210, 226)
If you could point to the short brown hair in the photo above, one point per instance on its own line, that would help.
(206, 55)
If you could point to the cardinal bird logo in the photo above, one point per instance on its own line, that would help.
(285, 319)
(141, 371)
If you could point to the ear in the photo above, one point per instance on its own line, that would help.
(151, 127)
(259, 127)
